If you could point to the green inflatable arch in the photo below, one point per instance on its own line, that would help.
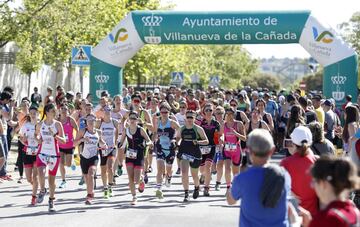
(170, 27)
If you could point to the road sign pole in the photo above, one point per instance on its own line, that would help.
(81, 79)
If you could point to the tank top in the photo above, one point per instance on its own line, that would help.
(49, 144)
(242, 107)
(188, 135)
(28, 130)
(108, 132)
(191, 105)
(136, 140)
(229, 136)
(166, 134)
(265, 118)
(210, 130)
(68, 131)
(90, 147)
(250, 127)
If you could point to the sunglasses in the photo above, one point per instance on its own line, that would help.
(208, 110)
(189, 117)
(164, 112)
(219, 113)
(182, 107)
(233, 105)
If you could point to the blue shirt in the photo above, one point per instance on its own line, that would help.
(246, 186)
(271, 108)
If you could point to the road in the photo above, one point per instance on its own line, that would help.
(116, 211)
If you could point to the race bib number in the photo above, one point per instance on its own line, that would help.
(205, 150)
(31, 150)
(66, 138)
(217, 149)
(131, 153)
(230, 147)
(188, 157)
(106, 152)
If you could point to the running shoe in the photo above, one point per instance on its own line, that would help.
(106, 193)
(150, 169)
(110, 192)
(168, 181)
(141, 187)
(88, 200)
(82, 181)
(119, 171)
(116, 175)
(196, 193)
(206, 191)
(159, 194)
(217, 186)
(63, 184)
(33, 200)
(134, 200)
(202, 179)
(146, 178)
(51, 205)
(41, 196)
(178, 171)
(186, 198)
(20, 180)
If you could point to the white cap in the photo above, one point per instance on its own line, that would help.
(256, 93)
(301, 134)
(243, 92)
(281, 98)
(156, 91)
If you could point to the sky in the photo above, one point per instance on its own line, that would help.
(326, 11)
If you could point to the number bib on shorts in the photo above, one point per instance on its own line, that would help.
(187, 157)
(131, 153)
(205, 150)
(230, 147)
(50, 161)
(106, 152)
(30, 150)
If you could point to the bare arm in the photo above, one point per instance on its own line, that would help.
(60, 135)
(74, 124)
(204, 140)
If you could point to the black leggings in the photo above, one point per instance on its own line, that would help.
(20, 158)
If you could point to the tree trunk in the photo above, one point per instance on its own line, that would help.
(29, 85)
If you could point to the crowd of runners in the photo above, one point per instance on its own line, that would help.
(205, 134)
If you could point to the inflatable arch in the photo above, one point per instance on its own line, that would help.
(171, 27)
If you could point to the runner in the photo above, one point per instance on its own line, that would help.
(189, 152)
(117, 113)
(154, 112)
(260, 104)
(27, 138)
(164, 130)
(66, 149)
(48, 133)
(181, 117)
(135, 153)
(212, 130)
(109, 129)
(91, 138)
(219, 156)
(234, 131)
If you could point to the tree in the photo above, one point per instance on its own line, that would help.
(263, 81)
(313, 82)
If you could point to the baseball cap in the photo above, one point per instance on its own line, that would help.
(301, 135)
(317, 97)
(327, 102)
(156, 91)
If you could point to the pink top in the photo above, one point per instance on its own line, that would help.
(230, 137)
(68, 131)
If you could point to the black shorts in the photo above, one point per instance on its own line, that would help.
(29, 161)
(208, 157)
(103, 159)
(193, 164)
(160, 155)
(67, 150)
(191, 150)
(85, 163)
(138, 162)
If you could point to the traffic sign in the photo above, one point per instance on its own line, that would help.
(214, 80)
(80, 55)
(177, 77)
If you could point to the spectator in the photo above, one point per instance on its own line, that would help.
(331, 121)
(271, 106)
(351, 125)
(321, 145)
(36, 97)
(333, 179)
(49, 97)
(318, 109)
(310, 115)
(263, 188)
(298, 166)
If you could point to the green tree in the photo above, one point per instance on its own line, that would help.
(262, 80)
